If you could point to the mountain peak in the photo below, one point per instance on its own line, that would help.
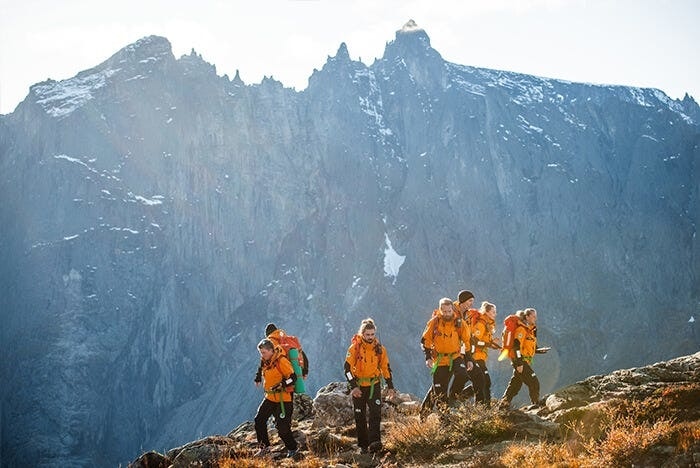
(412, 32)
(145, 48)
(410, 41)
(410, 26)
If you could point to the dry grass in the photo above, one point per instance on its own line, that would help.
(541, 454)
(464, 426)
(626, 431)
(249, 462)
(627, 439)
(617, 433)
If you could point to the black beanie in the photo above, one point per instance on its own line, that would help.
(464, 296)
(269, 328)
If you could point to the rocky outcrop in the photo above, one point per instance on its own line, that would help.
(156, 216)
(634, 384)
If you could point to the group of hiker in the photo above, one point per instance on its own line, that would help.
(456, 341)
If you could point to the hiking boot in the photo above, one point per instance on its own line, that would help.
(375, 447)
(292, 453)
(264, 450)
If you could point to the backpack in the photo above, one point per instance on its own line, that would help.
(472, 316)
(288, 342)
(510, 323)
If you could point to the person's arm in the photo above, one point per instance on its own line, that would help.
(258, 375)
(386, 369)
(348, 367)
(426, 340)
(305, 368)
(518, 358)
(465, 335)
(288, 374)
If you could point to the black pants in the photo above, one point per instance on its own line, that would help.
(481, 381)
(478, 378)
(283, 423)
(365, 437)
(441, 379)
(527, 377)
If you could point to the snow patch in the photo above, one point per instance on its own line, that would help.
(60, 98)
(392, 260)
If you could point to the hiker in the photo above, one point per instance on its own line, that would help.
(365, 364)
(483, 330)
(278, 380)
(465, 300)
(463, 306)
(273, 333)
(445, 342)
(300, 363)
(521, 353)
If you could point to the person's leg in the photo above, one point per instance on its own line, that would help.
(265, 410)
(533, 384)
(476, 375)
(360, 410)
(283, 423)
(427, 404)
(441, 378)
(375, 418)
(459, 369)
(487, 382)
(513, 387)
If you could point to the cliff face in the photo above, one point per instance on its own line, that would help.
(157, 215)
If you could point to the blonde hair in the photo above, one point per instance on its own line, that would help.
(524, 313)
(367, 324)
(444, 300)
(485, 307)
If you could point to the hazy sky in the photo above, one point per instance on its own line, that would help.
(646, 43)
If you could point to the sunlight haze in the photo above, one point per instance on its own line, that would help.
(641, 43)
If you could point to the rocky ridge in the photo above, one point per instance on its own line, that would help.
(327, 435)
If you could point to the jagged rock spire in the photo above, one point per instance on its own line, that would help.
(342, 53)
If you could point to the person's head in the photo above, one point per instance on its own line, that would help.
(266, 348)
(488, 310)
(530, 316)
(368, 330)
(269, 328)
(446, 308)
(465, 299)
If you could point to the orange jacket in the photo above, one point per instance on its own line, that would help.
(482, 337)
(444, 338)
(367, 362)
(525, 342)
(466, 321)
(276, 370)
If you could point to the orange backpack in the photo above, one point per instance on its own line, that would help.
(510, 323)
(472, 315)
(288, 342)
